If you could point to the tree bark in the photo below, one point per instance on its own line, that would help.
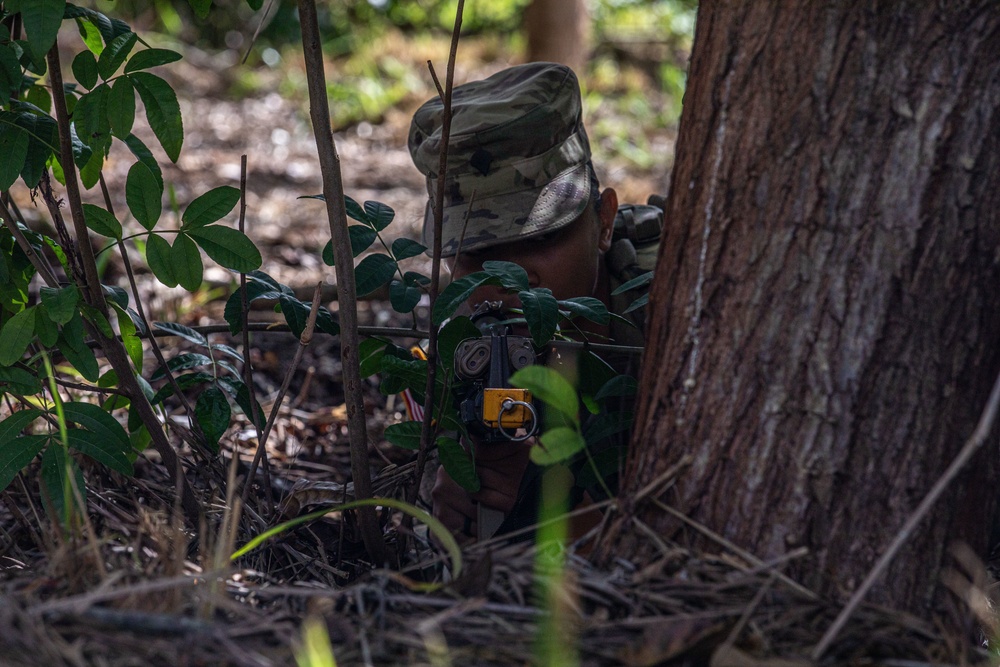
(825, 315)
(558, 31)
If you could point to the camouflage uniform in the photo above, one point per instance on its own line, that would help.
(519, 166)
(518, 157)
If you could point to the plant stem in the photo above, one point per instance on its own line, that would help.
(261, 454)
(43, 268)
(426, 432)
(93, 294)
(333, 191)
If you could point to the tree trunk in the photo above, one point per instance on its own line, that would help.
(825, 316)
(558, 31)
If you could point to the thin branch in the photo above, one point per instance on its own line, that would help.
(333, 191)
(986, 421)
(38, 261)
(261, 453)
(94, 295)
(154, 346)
(426, 432)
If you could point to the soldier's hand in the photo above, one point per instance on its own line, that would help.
(500, 468)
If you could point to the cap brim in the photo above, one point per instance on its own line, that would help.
(513, 216)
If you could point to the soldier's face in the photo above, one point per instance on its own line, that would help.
(568, 261)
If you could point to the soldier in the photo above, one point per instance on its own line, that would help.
(520, 187)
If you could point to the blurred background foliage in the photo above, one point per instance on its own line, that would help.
(378, 50)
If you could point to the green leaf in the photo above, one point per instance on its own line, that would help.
(19, 381)
(97, 318)
(14, 148)
(162, 111)
(201, 7)
(144, 195)
(606, 425)
(91, 37)
(243, 400)
(213, 414)
(640, 281)
(90, 118)
(371, 350)
(55, 466)
(399, 373)
(115, 53)
(11, 427)
(119, 296)
(511, 276)
(209, 207)
(187, 262)
(354, 210)
(114, 455)
(458, 292)
(403, 297)
(10, 73)
(16, 335)
(541, 311)
(46, 330)
(548, 386)
(620, 385)
(143, 155)
(297, 315)
(405, 434)
(227, 350)
(16, 453)
(60, 303)
(184, 382)
(108, 28)
(379, 214)
(557, 445)
(255, 289)
(90, 172)
(158, 253)
(93, 418)
(127, 329)
(187, 333)
(73, 345)
(148, 58)
(102, 221)
(85, 69)
(637, 304)
(414, 279)
(361, 237)
(181, 362)
(457, 463)
(588, 307)
(42, 19)
(43, 140)
(372, 272)
(121, 107)
(406, 248)
(229, 247)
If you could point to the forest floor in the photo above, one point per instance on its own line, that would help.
(138, 588)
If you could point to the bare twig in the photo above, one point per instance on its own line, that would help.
(43, 268)
(304, 341)
(426, 432)
(971, 446)
(247, 365)
(333, 191)
(742, 553)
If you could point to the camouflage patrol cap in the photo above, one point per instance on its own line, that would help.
(518, 157)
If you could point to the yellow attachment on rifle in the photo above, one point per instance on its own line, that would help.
(507, 408)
